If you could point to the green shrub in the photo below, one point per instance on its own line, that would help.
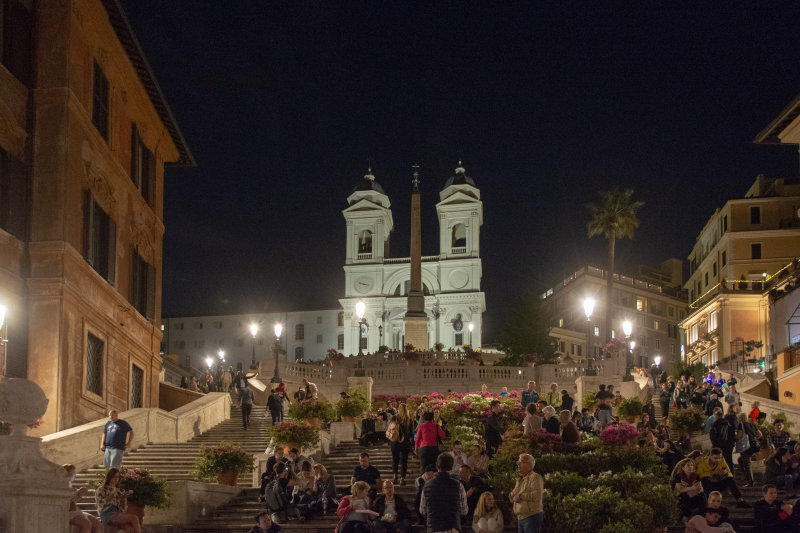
(587, 400)
(312, 409)
(215, 460)
(630, 407)
(687, 419)
(355, 404)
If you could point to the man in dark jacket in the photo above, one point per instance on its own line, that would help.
(274, 406)
(419, 484)
(474, 487)
(566, 401)
(393, 513)
(494, 431)
(444, 500)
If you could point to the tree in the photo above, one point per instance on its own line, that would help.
(613, 217)
(524, 336)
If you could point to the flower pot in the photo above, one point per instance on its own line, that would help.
(228, 477)
(289, 445)
(136, 510)
(314, 422)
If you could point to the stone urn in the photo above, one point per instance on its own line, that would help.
(228, 477)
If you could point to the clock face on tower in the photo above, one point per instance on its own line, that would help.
(363, 285)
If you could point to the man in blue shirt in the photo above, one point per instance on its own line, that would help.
(113, 441)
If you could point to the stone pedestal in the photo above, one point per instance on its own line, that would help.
(34, 493)
(416, 331)
(362, 382)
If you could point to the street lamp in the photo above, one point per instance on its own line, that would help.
(209, 362)
(362, 322)
(380, 337)
(276, 378)
(627, 329)
(253, 332)
(471, 327)
(588, 307)
(633, 350)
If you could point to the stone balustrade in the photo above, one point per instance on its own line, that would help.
(81, 445)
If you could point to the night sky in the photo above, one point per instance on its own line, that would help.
(284, 103)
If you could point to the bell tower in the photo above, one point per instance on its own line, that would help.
(460, 213)
(369, 222)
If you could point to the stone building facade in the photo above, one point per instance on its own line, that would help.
(741, 247)
(84, 135)
(451, 280)
(654, 310)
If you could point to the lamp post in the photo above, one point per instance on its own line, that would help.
(588, 307)
(633, 350)
(360, 310)
(627, 329)
(380, 337)
(253, 332)
(209, 362)
(276, 378)
(470, 328)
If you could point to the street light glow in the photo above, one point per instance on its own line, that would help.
(657, 360)
(253, 329)
(209, 361)
(221, 354)
(588, 307)
(278, 329)
(471, 327)
(360, 309)
(627, 328)
(633, 345)
(3, 310)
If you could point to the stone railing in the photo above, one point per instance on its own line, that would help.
(770, 407)
(81, 445)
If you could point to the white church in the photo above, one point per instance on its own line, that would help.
(451, 280)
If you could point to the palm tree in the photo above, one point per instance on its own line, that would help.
(613, 217)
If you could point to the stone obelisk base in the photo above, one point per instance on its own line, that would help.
(416, 331)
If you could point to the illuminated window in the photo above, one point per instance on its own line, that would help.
(596, 331)
(641, 304)
(693, 334)
(655, 324)
(712, 320)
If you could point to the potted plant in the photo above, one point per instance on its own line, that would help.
(293, 435)
(315, 412)
(144, 490)
(439, 346)
(630, 408)
(622, 434)
(223, 464)
(352, 405)
(687, 421)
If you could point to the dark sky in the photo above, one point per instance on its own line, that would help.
(283, 103)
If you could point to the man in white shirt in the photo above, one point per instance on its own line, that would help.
(459, 458)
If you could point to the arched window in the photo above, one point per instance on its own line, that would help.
(459, 236)
(299, 353)
(365, 242)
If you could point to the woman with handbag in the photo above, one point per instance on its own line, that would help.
(402, 446)
(112, 503)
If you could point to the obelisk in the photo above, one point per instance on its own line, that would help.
(416, 321)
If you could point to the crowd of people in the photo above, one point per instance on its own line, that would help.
(451, 487)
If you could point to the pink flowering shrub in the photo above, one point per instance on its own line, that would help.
(622, 434)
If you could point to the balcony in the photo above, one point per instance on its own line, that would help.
(362, 257)
(459, 250)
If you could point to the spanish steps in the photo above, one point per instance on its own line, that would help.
(176, 461)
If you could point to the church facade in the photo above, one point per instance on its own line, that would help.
(451, 280)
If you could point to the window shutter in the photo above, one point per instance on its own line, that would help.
(112, 251)
(88, 220)
(134, 154)
(149, 188)
(151, 292)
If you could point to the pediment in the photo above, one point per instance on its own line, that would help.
(364, 205)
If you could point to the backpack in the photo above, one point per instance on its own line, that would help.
(393, 432)
(275, 496)
(722, 434)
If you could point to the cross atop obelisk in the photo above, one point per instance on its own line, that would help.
(416, 321)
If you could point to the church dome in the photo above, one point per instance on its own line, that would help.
(368, 183)
(459, 178)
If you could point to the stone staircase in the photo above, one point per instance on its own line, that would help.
(238, 515)
(176, 461)
(741, 519)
